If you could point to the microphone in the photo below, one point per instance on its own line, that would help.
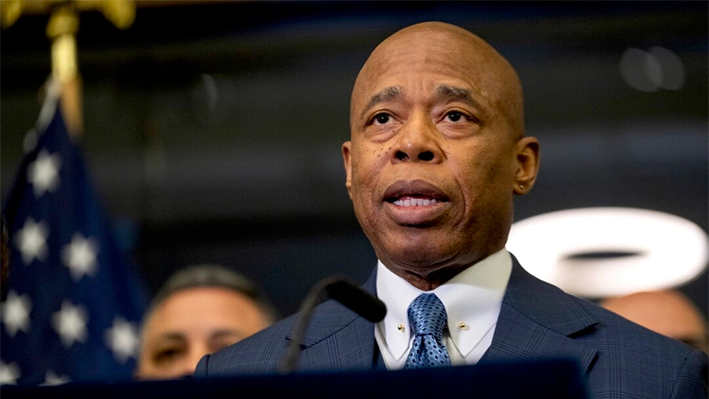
(342, 290)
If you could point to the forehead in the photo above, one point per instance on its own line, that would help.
(425, 60)
(200, 308)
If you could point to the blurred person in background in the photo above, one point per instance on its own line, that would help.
(198, 311)
(668, 312)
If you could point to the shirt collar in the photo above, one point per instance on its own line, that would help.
(473, 297)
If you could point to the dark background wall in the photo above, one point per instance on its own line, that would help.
(213, 130)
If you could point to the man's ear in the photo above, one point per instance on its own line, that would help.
(347, 158)
(527, 150)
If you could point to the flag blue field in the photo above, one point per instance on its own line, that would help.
(74, 302)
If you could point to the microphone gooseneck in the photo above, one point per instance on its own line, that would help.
(341, 290)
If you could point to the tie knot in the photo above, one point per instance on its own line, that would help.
(427, 315)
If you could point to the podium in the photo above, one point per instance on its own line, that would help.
(548, 379)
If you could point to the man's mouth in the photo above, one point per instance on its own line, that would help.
(415, 193)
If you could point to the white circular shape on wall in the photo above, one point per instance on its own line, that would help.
(648, 250)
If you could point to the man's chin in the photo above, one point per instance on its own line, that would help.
(421, 259)
(423, 269)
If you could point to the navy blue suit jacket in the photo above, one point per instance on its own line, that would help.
(537, 321)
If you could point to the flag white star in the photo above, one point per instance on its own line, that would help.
(122, 338)
(70, 323)
(9, 373)
(31, 240)
(16, 313)
(43, 173)
(80, 256)
(53, 378)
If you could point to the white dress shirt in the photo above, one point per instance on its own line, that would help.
(472, 299)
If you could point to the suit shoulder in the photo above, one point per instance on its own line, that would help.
(618, 329)
(640, 360)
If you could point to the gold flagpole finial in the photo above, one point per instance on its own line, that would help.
(11, 11)
(61, 29)
(120, 12)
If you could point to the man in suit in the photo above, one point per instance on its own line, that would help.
(437, 153)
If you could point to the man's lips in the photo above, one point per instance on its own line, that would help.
(414, 193)
(414, 203)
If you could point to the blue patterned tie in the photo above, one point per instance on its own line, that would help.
(427, 317)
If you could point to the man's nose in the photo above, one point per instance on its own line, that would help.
(192, 359)
(418, 141)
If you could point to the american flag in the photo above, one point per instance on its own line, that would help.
(73, 302)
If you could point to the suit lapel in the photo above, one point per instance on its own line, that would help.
(338, 339)
(537, 320)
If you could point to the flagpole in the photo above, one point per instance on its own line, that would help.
(61, 30)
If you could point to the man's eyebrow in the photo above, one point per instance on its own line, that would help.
(457, 93)
(227, 333)
(217, 338)
(386, 94)
(171, 335)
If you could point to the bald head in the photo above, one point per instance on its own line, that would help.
(494, 81)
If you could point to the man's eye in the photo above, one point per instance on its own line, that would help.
(166, 355)
(382, 118)
(454, 116)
